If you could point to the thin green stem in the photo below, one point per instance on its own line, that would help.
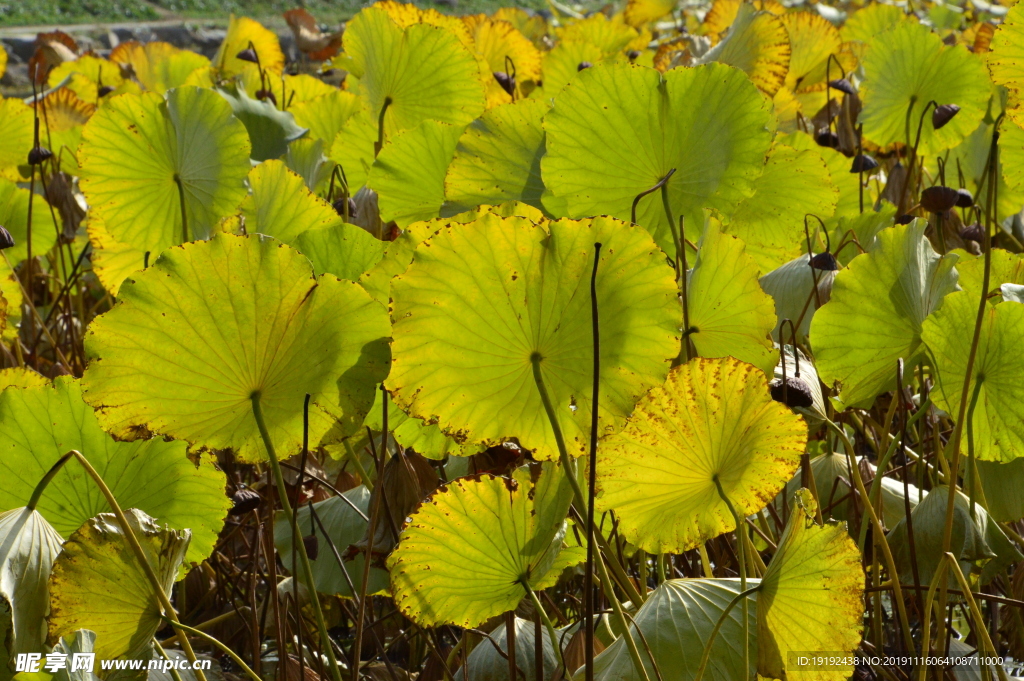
(353, 457)
(972, 468)
(133, 543)
(307, 570)
(547, 622)
(379, 144)
(37, 493)
(980, 627)
(706, 655)
(742, 544)
(221, 647)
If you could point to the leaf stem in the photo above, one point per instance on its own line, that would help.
(740, 540)
(307, 570)
(588, 576)
(37, 493)
(220, 646)
(547, 621)
(706, 655)
(658, 185)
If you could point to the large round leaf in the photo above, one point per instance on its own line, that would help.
(874, 316)
(676, 621)
(467, 550)
(38, 425)
(618, 129)
(282, 206)
(757, 43)
(905, 68)
(325, 115)
(140, 153)
(16, 141)
(729, 313)
(14, 217)
(1007, 59)
(498, 157)
(98, 584)
(485, 298)
(424, 71)
(159, 66)
(811, 597)
(997, 375)
(211, 324)
(713, 418)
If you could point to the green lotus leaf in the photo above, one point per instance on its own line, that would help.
(305, 157)
(159, 66)
(424, 438)
(1003, 484)
(1011, 154)
(756, 43)
(16, 141)
(211, 324)
(874, 317)
(972, 158)
(112, 261)
(1006, 268)
(865, 227)
(14, 217)
(847, 183)
(905, 68)
(344, 250)
(811, 597)
(28, 547)
(486, 298)
(713, 418)
(408, 174)
(1006, 63)
(424, 71)
(345, 521)
(561, 65)
(98, 584)
(771, 222)
(242, 31)
(866, 23)
(498, 157)
(997, 375)
(977, 541)
(729, 313)
(466, 552)
(40, 424)
(676, 621)
(618, 129)
(325, 115)
(353, 148)
(135, 147)
(10, 291)
(21, 377)
(485, 663)
(798, 291)
(282, 206)
(270, 129)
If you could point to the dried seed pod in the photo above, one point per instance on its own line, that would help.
(943, 114)
(824, 261)
(249, 55)
(905, 219)
(339, 207)
(266, 94)
(966, 199)
(939, 199)
(632, 55)
(583, 65)
(843, 85)
(312, 545)
(793, 393)
(6, 240)
(973, 232)
(104, 91)
(243, 501)
(38, 154)
(862, 163)
(826, 138)
(507, 82)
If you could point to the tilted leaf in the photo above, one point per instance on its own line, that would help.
(269, 129)
(757, 43)
(344, 250)
(28, 547)
(282, 206)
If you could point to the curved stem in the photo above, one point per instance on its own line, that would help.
(379, 144)
(133, 543)
(219, 646)
(286, 506)
(706, 655)
(37, 493)
(547, 622)
(658, 185)
(742, 545)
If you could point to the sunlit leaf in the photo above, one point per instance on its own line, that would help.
(344, 250)
(90, 74)
(241, 32)
(159, 66)
(15, 143)
(757, 43)
(1006, 61)
(28, 547)
(281, 205)
(723, 13)
(878, 304)
(270, 129)
(640, 12)
(468, 550)
(211, 324)
(14, 213)
(712, 419)
(486, 298)
(495, 40)
(325, 115)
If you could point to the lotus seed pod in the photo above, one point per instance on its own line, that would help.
(939, 199)
(249, 55)
(825, 261)
(826, 138)
(507, 82)
(104, 91)
(583, 65)
(966, 199)
(266, 94)
(312, 544)
(339, 206)
(862, 163)
(973, 232)
(38, 154)
(632, 55)
(243, 501)
(943, 114)
(905, 219)
(794, 392)
(6, 240)
(843, 85)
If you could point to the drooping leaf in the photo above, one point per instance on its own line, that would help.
(997, 426)
(905, 68)
(270, 129)
(211, 324)
(425, 71)
(498, 157)
(729, 313)
(676, 622)
(811, 596)
(28, 547)
(98, 584)
(465, 553)
(713, 418)
(798, 291)
(617, 130)
(874, 317)
(486, 298)
(345, 521)
(408, 174)
(142, 157)
(40, 424)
